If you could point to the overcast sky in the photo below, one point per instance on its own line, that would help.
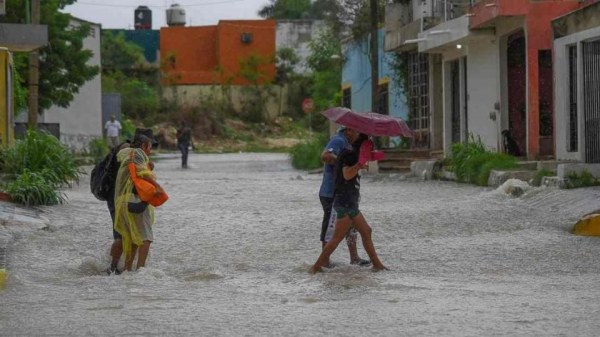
(119, 13)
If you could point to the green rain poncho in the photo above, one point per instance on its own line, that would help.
(135, 228)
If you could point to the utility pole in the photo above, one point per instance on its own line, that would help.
(374, 55)
(34, 68)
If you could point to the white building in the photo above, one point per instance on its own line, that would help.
(81, 121)
(577, 88)
(297, 34)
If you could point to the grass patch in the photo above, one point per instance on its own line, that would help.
(583, 179)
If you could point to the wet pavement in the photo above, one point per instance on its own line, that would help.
(234, 243)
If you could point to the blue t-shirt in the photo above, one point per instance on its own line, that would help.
(336, 144)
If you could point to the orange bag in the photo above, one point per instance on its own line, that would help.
(146, 190)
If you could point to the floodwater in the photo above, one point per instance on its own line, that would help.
(234, 243)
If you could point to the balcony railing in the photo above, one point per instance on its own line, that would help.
(451, 9)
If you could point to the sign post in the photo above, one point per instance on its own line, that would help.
(308, 106)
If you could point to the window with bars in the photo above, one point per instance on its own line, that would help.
(418, 74)
(573, 134)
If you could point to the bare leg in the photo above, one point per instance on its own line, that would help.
(341, 228)
(143, 254)
(116, 250)
(364, 229)
(351, 241)
(327, 262)
(130, 257)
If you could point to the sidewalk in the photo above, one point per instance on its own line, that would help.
(15, 219)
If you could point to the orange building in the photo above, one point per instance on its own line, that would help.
(212, 54)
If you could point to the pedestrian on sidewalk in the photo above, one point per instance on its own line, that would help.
(113, 128)
(345, 204)
(184, 139)
(133, 217)
(329, 156)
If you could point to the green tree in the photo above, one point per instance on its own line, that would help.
(258, 92)
(118, 53)
(325, 61)
(286, 61)
(63, 63)
(286, 9)
(138, 99)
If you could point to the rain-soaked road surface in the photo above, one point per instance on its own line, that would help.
(234, 243)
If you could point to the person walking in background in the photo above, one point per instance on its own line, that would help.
(113, 128)
(184, 138)
(345, 204)
(329, 156)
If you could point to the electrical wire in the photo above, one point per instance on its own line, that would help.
(154, 6)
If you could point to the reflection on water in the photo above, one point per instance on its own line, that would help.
(235, 241)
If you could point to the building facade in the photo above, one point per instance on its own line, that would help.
(492, 63)
(297, 34)
(212, 54)
(81, 122)
(356, 79)
(577, 88)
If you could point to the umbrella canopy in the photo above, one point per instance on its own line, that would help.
(369, 123)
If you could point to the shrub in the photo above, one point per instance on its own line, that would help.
(128, 129)
(583, 179)
(32, 189)
(40, 164)
(307, 156)
(41, 152)
(98, 149)
(471, 162)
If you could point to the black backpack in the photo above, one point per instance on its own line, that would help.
(103, 176)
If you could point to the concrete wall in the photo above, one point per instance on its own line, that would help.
(561, 94)
(357, 74)
(296, 34)
(192, 95)
(82, 120)
(485, 77)
(196, 52)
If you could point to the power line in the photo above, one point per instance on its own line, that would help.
(154, 6)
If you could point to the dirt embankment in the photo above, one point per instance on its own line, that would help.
(235, 136)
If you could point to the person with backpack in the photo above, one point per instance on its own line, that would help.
(102, 184)
(134, 214)
(346, 204)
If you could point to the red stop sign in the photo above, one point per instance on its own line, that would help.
(308, 105)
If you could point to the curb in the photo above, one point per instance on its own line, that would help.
(3, 248)
(13, 219)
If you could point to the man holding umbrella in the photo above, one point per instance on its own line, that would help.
(337, 143)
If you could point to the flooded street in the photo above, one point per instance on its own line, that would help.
(234, 243)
